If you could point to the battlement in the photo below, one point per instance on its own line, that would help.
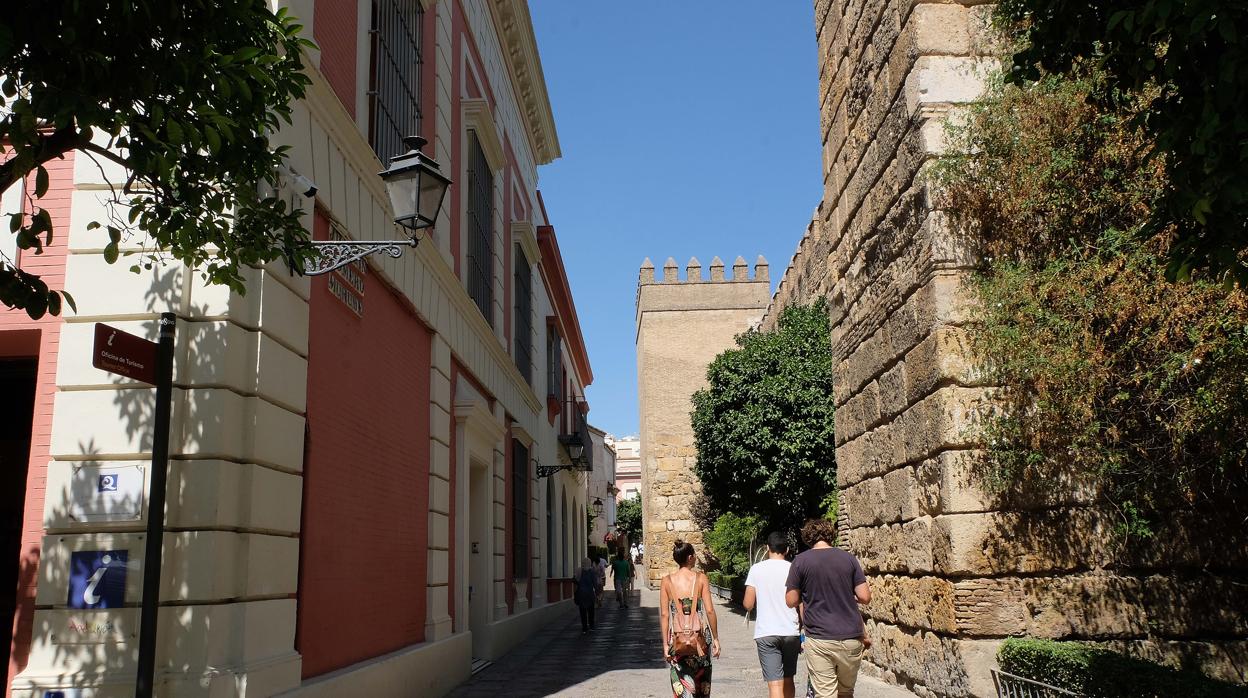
(693, 272)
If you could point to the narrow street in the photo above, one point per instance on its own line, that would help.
(621, 658)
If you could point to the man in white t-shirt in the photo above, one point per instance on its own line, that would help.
(775, 628)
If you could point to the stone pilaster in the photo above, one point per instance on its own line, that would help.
(437, 610)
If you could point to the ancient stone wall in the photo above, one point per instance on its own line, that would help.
(953, 569)
(681, 327)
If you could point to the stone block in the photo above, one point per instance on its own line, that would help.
(892, 391)
(922, 602)
(946, 419)
(1013, 543)
(941, 29)
(1226, 660)
(1181, 606)
(1094, 605)
(943, 357)
(905, 548)
(939, 665)
(945, 79)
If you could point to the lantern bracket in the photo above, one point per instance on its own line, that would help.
(336, 254)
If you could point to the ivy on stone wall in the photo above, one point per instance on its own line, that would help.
(1117, 385)
(763, 426)
(1181, 66)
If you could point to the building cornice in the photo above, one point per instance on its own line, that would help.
(556, 279)
(514, 26)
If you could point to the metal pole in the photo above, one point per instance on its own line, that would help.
(156, 508)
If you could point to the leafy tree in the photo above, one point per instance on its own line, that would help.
(1189, 58)
(184, 94)
(628, 518)
(763, 427)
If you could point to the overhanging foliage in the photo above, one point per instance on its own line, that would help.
(182, 93)
(1189, 58)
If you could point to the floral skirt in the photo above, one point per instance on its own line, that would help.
(691, 677)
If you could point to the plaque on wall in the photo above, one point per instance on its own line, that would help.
(95, 627)
(106, 493)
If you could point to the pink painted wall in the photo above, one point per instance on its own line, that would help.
(19, 335)
(363, 548)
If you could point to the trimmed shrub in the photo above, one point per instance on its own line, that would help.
(1096, 672)
(729, 541)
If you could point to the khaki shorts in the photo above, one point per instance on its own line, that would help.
(833, 665)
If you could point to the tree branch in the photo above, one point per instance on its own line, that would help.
(105, 153)
(54, 145)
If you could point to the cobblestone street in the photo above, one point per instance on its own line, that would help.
(621, 658)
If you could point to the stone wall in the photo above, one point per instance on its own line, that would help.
(681, 327)
(953, 569)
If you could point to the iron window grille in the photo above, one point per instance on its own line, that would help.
(524, 316)
(394, 82)
(554, 365)
(480, 228)
(520, 511)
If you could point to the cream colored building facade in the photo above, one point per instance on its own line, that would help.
(231, 577)
(627, 467)
(601, 488)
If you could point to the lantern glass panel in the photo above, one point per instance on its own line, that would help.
(402, 189)
(432, 189)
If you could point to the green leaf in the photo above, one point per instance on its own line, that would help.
(110, 252)
(41, 184)
(246, 54)
(73, 305)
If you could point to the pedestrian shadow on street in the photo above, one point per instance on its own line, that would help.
(560, 657)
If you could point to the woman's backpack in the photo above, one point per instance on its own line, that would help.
(688, 637)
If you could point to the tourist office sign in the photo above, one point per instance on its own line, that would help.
(149, 362)
(124, 354)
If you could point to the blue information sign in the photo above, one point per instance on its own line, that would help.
(108, 482)
(97, 578)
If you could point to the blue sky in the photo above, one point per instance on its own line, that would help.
(688, 128)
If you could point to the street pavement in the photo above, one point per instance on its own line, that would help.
(621, 658)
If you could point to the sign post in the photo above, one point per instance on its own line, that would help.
(134, 357)
(156, 508)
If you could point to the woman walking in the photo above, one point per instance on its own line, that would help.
(586, 594)
(688, 625)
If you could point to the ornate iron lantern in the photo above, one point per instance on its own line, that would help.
(416, 187)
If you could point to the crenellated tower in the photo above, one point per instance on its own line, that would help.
(681, 326)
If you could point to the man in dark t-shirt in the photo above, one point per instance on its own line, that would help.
(828, 584)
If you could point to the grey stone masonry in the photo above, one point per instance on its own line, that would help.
(954, 569)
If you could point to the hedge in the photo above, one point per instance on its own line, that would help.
(1096, 672)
